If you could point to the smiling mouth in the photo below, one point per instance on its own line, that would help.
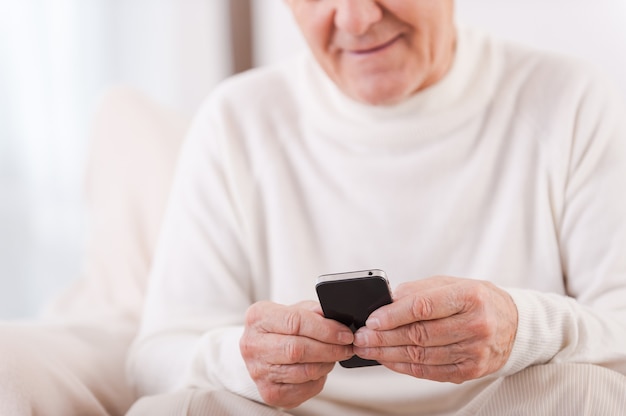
(376, 48)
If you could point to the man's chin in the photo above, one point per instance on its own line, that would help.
(378, 95)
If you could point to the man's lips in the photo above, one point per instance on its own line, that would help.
(377, 48)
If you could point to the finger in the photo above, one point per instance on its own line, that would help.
(308, 304)
(439, 332)
(297, 373)
(447, 355)
(451, 373)
(289, 396)
(312, 306)
(409, 288)
(436, 303)
(298, 321)
(290, 349)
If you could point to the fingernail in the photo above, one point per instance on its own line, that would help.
(346, 337)
(360, 339)
(373, 323)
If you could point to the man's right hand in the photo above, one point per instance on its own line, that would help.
(289, 350)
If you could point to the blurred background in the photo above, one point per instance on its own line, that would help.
(57, 57)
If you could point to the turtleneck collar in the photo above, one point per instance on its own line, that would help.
(432, 112)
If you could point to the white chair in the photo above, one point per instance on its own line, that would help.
(71, 361)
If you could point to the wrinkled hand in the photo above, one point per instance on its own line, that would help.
(289, 350)
(442, 329)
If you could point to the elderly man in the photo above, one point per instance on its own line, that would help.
(485, 178)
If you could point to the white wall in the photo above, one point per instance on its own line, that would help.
(593, 30)
(275, 34)
(56, 59)
(175, 50)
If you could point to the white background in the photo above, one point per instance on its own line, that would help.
(57, 56)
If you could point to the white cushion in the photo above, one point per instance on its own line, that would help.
(133, 151)
(72, 362)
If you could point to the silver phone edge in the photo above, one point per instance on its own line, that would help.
(367, 273)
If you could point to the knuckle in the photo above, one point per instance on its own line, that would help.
(457, 380)
(259, 371)
(416, 354)
(255, 313)
(375, 339)
(307, 372)
(481, 293)
(472, 373)
(294, 351)
(293, 322)
(418, 370)
(483, 365)
(491, 324)
(481, 327)
(474, 354)
(422, 308)
(277, 373)
(294, 373)
(458, 374)
(485, 327)
(315, 372)
(482, 355)
(469, 370)
(418, 333)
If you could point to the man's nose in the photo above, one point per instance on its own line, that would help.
(357, 16)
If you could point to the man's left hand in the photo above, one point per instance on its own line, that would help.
(443, 329)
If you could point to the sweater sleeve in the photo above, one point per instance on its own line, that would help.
(200, 284)
(589, 324)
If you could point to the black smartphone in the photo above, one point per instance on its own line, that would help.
(350, 298)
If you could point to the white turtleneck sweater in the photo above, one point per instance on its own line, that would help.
(511, 169)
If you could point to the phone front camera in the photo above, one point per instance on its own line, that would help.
(370, 273)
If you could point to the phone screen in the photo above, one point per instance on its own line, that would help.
(350, 298)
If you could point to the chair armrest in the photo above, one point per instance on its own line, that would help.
(50, 369)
